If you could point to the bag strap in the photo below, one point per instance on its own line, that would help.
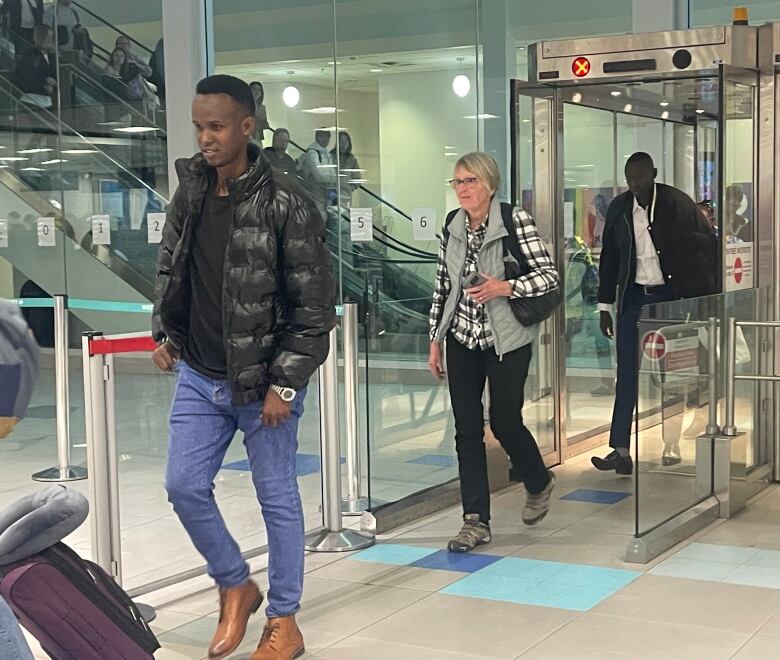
(510, 242)
(447, 221)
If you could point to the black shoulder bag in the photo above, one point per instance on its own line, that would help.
(528, 310)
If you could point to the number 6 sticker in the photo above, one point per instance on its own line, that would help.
(154, 226)
(361, 225)
(424, 224)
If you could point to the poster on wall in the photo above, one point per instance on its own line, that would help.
(424, 224)
(361, 225)
(738, 270)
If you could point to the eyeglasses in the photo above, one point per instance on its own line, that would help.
(469, 182)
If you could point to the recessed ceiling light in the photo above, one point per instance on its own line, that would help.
(375, 70)
(699, 111)
(450, 153)
(616, 93)
(39, 150)
(482, 115)
(12, 159)
(664, 104)
(33, 169)
(665, 114)
(136, 129)
(53, 161)
(79, 151)
(323, 110)
(628, 107)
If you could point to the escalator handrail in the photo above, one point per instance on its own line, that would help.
(366, 190)
(112, 26)
(52, 120)
(131, 110)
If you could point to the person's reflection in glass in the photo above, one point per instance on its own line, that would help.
(737, 226)
(277, 154)
(349, 168)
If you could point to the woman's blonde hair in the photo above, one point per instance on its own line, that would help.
(484, 166)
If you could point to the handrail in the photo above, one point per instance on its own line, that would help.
(112, 26)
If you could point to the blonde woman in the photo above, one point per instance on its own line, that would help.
(472, 316)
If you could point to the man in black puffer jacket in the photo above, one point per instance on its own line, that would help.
(244, 304)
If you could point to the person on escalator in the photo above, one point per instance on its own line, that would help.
(62, 18)
(261, 116)
(657, 247)
(36, 73)
(20, 18)
(348, 168)
(277, 155)
(471, 315)
(318, 172)
(243, 311)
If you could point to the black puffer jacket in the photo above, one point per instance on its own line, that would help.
(278, 295)
(686, 246)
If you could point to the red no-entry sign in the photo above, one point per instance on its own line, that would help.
(580, 67)
(654, 345)
(738, 270)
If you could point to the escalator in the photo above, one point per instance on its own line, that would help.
(95, 166)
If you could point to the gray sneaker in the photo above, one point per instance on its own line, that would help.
(538, 505)
(472, 534)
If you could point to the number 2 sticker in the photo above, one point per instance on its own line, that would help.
(154, 226)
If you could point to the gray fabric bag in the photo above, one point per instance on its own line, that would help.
(18, 362)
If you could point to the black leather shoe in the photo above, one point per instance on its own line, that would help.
(614, 461)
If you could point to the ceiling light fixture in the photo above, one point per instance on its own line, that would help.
(291, 95)
(616, 93)
(628, 107)
(664, 104)
(375, 70)
(576, 97)
(461, 84)
(665, 114)
(137, 129)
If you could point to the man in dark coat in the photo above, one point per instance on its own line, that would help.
(21, 17)
(657, 247)
(243, 308)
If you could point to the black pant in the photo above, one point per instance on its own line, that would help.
(627, 338)
(467, 372)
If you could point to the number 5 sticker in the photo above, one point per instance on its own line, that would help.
(424, 224)
(154, 226)
(361, 225)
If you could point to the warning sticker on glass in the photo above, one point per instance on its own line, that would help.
(101, 230)
(3, 233)
(361, 225)
(46, 237)
(154, 226)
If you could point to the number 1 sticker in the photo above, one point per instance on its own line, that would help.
(101, 230)
(154, 226)
(424, 224)
(46, 237)
(361, 225)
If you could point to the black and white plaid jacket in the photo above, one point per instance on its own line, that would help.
(470, 325)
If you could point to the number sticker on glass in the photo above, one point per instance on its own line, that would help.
(154, 226)
(46, 237)
(101, 230)
(3, 233)
(424, 224)
(362, 225)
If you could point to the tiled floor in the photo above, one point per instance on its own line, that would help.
(557, 590)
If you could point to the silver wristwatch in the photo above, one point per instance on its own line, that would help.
(286, 394)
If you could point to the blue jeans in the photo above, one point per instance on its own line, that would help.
(12, 643)
(202, 425)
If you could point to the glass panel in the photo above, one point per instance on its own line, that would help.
(394, 161)
(721, 12)
(589, 185)
(673, 463)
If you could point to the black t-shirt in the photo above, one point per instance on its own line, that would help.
(205, 350)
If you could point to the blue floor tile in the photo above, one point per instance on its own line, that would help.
(392, 553)
(694, 569)
(454, 561)
(439, 460)
(729, 554)
(596, 496)
(766, 558)
(544, 584)
(305, 464)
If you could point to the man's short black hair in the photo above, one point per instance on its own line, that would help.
(640, 157)
(234, 87)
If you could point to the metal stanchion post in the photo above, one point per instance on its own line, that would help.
(729, 429)
(334, 538)
(63, 471)
(712, 366)
(354, 505)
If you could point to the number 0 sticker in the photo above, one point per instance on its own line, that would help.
(362, 225)
(424, 224)
(46, 237)
(154, 226)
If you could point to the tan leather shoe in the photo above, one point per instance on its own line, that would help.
(281, 640)
(236, 605)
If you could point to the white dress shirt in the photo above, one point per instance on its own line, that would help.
(648, 265)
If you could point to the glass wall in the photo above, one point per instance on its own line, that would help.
(720, 12)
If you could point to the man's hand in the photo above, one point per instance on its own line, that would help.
(165, 356)
(606, 325)
(493, 288)
(275, 411)
(435, 361)
(6, 426)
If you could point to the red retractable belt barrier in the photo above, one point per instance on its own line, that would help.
(100, 346)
